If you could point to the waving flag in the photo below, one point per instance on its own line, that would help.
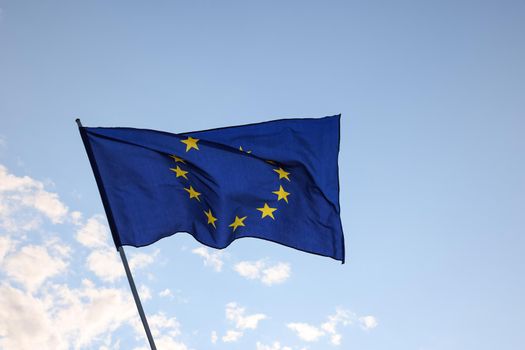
(275, 180)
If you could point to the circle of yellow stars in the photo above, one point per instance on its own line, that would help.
(266, 210)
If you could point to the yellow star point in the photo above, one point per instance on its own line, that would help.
(240, 149)
(282, 174)
(211, 218)
(267, 211)
(177, 159)
(193, 193)
(190, 143)
(179, 172)
(237, 222)
(282, 194)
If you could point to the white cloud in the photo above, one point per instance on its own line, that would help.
(177, 295)
(168, 343)
(6, 244)
(13, 183)
(249, 269)
(141, 260)
(19, 312)
(109, 344)
(341, 317)
(58, 248)
(32, 265)
(260, 270)
(62, 318)
(214, 337)
(335, 339)
(38, 313)
(231, 336)
(306, 332)
(166, 293)
(275, 346)
(105, 264)
(93, 311)
(94, 233)
(368, 322)
(212, 259)
(164, 330)
(49, 204)
(144, 292)
(160, 323)
(276, 274)
(20, 195)
(76, 217)
(236, 315)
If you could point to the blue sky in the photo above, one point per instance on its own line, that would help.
(431, 168)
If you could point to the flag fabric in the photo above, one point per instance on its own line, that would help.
(275, 180)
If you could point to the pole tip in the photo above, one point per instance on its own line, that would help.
(78, 122)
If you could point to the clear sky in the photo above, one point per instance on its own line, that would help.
(432, 172)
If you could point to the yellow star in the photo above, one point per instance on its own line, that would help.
(282, 194)
(177, 159)
(267, 211)
(190, 143)
(179, 172)
(282, 174)
(237, 222)
(193, 193)
(240, 149)
(211, 218)
(270, 161)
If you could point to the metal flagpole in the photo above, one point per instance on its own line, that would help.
(133, 287)
(136, 297)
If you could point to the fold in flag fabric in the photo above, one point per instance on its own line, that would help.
(275, 180)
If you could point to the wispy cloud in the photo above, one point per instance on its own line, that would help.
(368, 322)
(32, 265)
(274, 346)
(94, 233)
(145, 292)
(214, 337)
(236, 315)
(177, 296)
(232, 336)
(164, 329)
(141, 260)
(306, 332)
(330, 328)
(264, 272)
(6, 244)
(166, 293)
(24, 202)
(210, 258)
(105, 264)
(3, 142)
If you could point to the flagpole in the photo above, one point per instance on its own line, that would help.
(136, 297)
(133, 287)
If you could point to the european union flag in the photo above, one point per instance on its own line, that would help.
(275, 180)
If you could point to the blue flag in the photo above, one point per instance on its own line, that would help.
(275, 180)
